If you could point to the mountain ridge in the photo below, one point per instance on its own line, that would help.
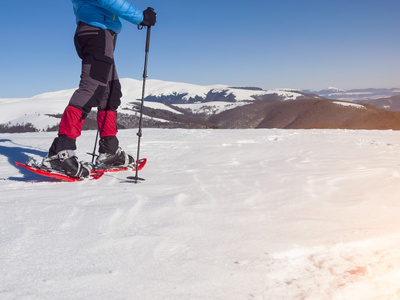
(183, 105)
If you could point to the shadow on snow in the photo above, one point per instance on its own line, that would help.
(20, 153)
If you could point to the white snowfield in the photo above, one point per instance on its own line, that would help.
(355, 105)
(223, 214)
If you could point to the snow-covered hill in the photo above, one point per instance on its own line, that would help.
(157, 89)
(355, 94)
(40, 110)
(223, 214)
(181, 105)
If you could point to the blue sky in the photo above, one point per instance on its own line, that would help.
(297, 44)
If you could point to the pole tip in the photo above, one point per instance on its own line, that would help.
(135, 178)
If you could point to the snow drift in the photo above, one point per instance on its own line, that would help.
(223, 214)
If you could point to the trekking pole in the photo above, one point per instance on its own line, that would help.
(139, 133)
(100, 128)
(93, 154)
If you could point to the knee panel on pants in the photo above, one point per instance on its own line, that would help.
(96, 98)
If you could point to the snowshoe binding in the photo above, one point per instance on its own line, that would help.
(119, 160)
(65, 162)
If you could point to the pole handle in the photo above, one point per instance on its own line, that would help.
(148, 38)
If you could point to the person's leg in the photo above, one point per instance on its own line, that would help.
(95, 47)
(111, 154)
(107, 115)
(70, 128)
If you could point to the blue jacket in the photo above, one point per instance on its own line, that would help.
(106, 14)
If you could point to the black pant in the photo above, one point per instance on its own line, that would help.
(99, 86)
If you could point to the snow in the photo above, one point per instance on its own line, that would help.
(223, 214)
(35, 110)
(359, 106)
(340, 94)
(335, 89)
(148, 104)
(210, 108)
(288, 95)
(156, 87)
(131, 88)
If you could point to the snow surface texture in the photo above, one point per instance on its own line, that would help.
(223, 214)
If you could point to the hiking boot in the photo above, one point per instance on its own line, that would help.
(66, 162)
(119, 159)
